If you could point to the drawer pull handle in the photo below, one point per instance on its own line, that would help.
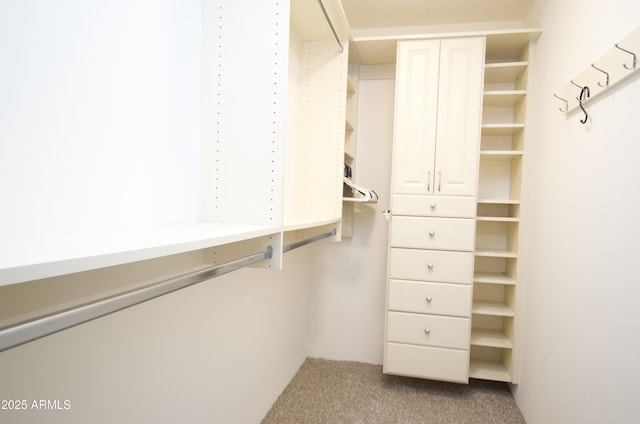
(427, 330)
(432, 233)
(433, 206)
(429, 299)
(430, 266)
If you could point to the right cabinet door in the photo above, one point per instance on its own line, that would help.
(438, 113)
(459, 116)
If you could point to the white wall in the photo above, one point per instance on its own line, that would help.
(348, 290)
(581, 344)
(99, 114)
(218, 352)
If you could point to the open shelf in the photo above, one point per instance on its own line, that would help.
(489, 370)
(490, 338)
(499, 72)
(492, 308)
(496, 210)
(494, 299)
(495, 270)
(491, 363)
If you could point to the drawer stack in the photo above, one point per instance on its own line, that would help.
(429, 291)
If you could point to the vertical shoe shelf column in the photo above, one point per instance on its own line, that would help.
(350, 138)
(496, 309)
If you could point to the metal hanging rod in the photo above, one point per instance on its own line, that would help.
(40, 327)
(295, 244)
(333, 30)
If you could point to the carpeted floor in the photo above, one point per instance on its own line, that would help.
(328, 392)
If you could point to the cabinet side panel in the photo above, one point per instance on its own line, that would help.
(244, 93)
(320, 130)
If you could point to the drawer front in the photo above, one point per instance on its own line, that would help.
(444, 206)
(428, 330)
(427, 362)
(431, 265)
(430, 298)
(433, 233)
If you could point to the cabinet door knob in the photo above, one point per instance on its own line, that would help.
(433, 206)
(429, 299)
(432, 233)
(430, 266)
(427, 330)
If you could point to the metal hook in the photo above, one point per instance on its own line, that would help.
(606, 84)
(566, 103)
(581, 98)
(635, 60)
(580, 87)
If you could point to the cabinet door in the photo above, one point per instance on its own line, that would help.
(416, 116)
(459, 116)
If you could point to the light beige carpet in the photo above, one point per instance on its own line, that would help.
(327, 392)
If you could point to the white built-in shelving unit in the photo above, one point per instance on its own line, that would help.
(501, 198)
(501, 208)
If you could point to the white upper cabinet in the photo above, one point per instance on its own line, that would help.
(438, 116)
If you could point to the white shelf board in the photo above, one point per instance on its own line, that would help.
(499, 201)
(502, 98)
(500, 154)
(493, 278)
(501, 129)
(496, 253)
(49, 255)
(497, 219)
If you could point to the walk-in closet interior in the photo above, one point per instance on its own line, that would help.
(198, 195)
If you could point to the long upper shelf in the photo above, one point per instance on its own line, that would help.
(49, 255)
(502, 45)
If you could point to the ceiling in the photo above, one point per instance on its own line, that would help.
(400, 13)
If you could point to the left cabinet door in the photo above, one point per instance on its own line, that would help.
(416, 116)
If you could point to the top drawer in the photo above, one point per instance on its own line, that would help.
(445, 206)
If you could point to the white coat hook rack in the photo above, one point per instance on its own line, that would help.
(614, 66)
